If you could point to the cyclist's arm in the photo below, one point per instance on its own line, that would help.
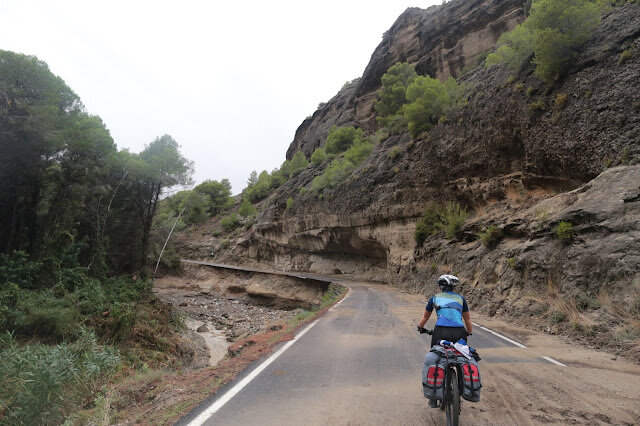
(466, 317)
(425, 318)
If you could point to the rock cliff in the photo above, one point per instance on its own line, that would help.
(515, 156)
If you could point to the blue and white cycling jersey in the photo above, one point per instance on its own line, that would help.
(449, 307)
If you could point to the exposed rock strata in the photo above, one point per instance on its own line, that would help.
(440, 41)
(520, 168)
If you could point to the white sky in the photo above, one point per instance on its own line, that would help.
(230, 81)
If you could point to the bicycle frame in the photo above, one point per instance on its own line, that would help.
(451, 401)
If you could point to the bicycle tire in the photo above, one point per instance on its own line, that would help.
(452, 398)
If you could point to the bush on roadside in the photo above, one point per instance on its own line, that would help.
(42, 384)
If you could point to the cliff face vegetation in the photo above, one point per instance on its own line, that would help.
(529, 190)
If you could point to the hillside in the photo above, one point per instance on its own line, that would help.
(522, 157)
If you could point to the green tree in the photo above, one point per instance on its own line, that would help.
(230, 222)
(159, 166)
(219, 195)
(246, 209)
(553, 35)
(318, 156)
(360, 150)
(392, 96)
(429, 99)
(340, 139)
(297, 164)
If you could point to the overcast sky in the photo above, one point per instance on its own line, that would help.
(230, 81)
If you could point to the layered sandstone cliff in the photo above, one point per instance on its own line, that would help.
(518, 168)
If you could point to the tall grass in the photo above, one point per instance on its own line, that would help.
(42, 384)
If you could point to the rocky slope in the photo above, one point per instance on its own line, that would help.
(519, 156)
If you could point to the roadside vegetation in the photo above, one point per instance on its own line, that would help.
(448, 218)
(75, 247)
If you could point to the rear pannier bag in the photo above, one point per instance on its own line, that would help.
(433, 375)
(471, 383)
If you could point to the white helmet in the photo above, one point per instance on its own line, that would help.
(448, 280)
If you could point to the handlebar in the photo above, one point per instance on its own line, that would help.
(423, 330)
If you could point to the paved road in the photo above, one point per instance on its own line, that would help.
(360, 364)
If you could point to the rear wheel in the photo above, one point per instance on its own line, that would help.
(452, 398)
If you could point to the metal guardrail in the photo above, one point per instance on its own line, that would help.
(300, 275)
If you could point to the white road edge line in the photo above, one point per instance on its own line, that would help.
(513, 342)
(216, 405)
(341, 300)
(553, 361)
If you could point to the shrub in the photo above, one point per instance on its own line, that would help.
(341, 138)
(519, 87)
(539, 105)
(557, 317)
(491, 236)
(230, 222)
(564, 231)
(428, 224)
(298, 163)
(552, 35)
(318, 156)
(41, 384)
(394, 153)
(360, 150)
(290, 203)
(453, 218)
(448, 218)
(625, 56)
(247, 209)
(333, 175)
(530, 92)
(429, 99)
(561, 100)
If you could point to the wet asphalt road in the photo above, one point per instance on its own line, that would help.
(360, 364)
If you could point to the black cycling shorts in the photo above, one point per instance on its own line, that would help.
(452, 334)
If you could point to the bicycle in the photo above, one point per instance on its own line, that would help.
(451, 401)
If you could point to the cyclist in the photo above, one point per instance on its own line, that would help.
(452, 311)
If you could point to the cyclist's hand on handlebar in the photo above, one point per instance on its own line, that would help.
(422, 330)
